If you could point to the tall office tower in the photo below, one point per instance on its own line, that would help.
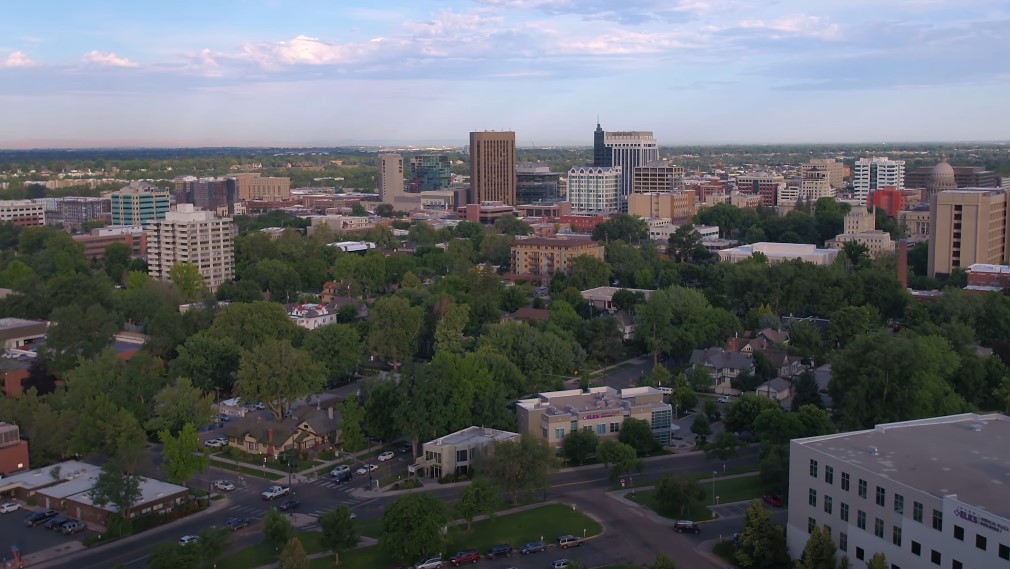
(139, 203)
(875, 173)
(255, 187)
(768, 186)
(191, 236)
(595, 190)
(968, 226)
(211, 194)
(390, 177)
(536, 183)
(493, 167)
(659, 176)
(835, 170)
(430, 173)
(627, 149)
(601, 156)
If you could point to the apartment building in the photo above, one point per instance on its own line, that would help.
(767, 186)
(595, 190)
(968, 226)
(139, 203)
(23, 213)
(677, 207)
(546, 256)
(252, 186)
(657, 176)
(925, 493)
(553, 415)
(191, 236)
(834, 169)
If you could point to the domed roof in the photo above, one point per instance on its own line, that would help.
(941, 178)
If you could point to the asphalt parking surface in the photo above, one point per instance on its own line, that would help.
(13, 531)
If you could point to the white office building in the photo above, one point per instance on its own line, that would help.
(876, 173)
(627, 150)
(925, 493)
(191, 236)
(595, 190)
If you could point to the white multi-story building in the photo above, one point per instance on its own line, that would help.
(595, 189)
(925, 493)
(191, 236)
(627, 150)
(23, 213)
(875, 173)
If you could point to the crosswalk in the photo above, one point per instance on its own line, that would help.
(256, 511)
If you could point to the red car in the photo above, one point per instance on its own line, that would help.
(772, 500)
(464, 557)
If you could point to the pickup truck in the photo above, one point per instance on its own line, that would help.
(274, 492)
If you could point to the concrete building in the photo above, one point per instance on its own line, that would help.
(816, 184)
(835, 170)
(964, 177)
(456, 454)
(196, 237)
(925, 493)
(875, 173)
(553, 415)
(428, 173)
(988, 278)
(74, 212)
(21, 334)
(767, 186)
(602, 297)
(968, 226)
(546, 256)
(594, 190)
(252, 186)
(23, 213)
(390, 177)
(485, 213)
(894, 201)
(659, 176)
(779, 252)
(95, 242)
(493, 167)
(627, 149)
(535, 183)
(859, 220)
(13, 450)
(678, 207)
(916, 222)
(138, 204)
(877, 242)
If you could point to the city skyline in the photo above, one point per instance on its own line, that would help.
(265, 73)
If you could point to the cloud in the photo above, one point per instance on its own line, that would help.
(306, 50)
(106, 59)
(17, 59)
(623, 43)
(632, 12)
(795, 25)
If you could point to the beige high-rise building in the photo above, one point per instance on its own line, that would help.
(968, 226)
(835, 170)
(493, 167)
(678, 207)
(390, 177)
(251, 186)
(657, 176)
(191, 236)
(859, 220)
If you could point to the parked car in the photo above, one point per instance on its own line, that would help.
(9, 507)
(500, 550)
(275, 492)
(235, 524)
(224, 485)
(566, 541)
(73, 526)
(213, 443)
(725, 399)
(560, 564)
(430, 563)
(188, 539)
(339, 469)
(533, 547)
(40, 517)
(366, 468)
(387, 455)
(772, 500)
(687, 526)
(405, 448)
(290, 504)
(55, 523)
(464, 557)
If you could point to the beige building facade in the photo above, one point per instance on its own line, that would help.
(390, 177)
(968, 226)
(23, 213)
(835, 170)
(547, 256)
(493, 167)
(678, 207)
(458, 453)
(657, 176)
(251, 186)
(191, 236)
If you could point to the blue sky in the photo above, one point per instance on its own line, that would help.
(315, 72)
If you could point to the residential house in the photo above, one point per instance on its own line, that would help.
(627, 324)
(305, 429)
(723, 366)
(528, 314)
(311, 315)
(785, 365)
(778, 389)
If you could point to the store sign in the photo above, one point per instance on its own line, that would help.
(592, 416)
(971, 516)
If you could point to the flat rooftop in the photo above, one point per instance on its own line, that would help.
(474, 435)
(965, 454)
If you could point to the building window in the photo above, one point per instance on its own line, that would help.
(812, 498)
(916, 547)
(859, 553)
(843, 541)
(980, 542)
(955, 564)
(461, 456)
(917, 512)
(813, 468)
(845, 512)
(862, 488)
(829, 475)
(559, 433)
(811, 524)
(880, 496)
(845, 481)
(1004, 552)
(937, 520)
(958, 532)
(601, 429)
(934, 556)
(878, 528)
(827, 504)
(575, 426)
(861, 519)
(896, 536)
(615, 427)
(899, 503)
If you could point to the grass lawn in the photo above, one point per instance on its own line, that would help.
(696, 513)
(261, 553)
(247, 470)
(232, 454)
(725, 550)
(371, 528)
(731, 490)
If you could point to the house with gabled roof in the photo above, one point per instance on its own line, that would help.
(723, 366)
(304, 430)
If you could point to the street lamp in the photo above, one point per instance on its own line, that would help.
(714, 472)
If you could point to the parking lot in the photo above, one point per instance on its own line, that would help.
(31, 540)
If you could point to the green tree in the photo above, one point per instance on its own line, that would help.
(700, 378)
(820, 552)
(117, 488)
(250, 324)
(622, 227)
(701, 429)
(659, 376)
(675, 494)
(520, 466)
(171, 556)
(352, 416)
(178, 405)
(293, 556)
(412, 527)
(723, 447)
(774, 468)
(450, 331)
(638, 434)
(116, 259)
(511, 225)
(395, 329)
(181, 455)
(339, 533)
(878, 561)
(589, 272)
(685, 244)
(338, 347)
(619, 457)
(276, 373)
(742, 412)
(849, 322)
(214, 541)
(762, 544)
(806, 391)
(579, 445)
(187, 278)
(77, 332)
(210, 362)
(711, 410)
(277, 530)
(663, 562)
(382, 410)
(481, 497)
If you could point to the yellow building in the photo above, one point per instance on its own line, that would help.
(678, 207)
(968, 226)
(547, 256)
(256, 187)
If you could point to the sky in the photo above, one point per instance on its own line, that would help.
(395, 72)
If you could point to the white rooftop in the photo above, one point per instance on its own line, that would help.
(985, 268)
(41, 477)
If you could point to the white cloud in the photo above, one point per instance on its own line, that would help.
(795, 25)
(306, 50)
(622, 43)
(449, 23)
(17, 59)
(106, 59)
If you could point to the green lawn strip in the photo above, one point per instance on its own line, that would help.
(696, 513)
(548, 522)
(731, 490)
(233, 454)
(371, 528)
(243, 469)
(262, 554)
(726, 551)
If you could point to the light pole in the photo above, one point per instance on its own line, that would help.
(714, 472)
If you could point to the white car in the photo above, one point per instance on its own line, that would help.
(213, 443)
(275, 492)
(366, 468)
(224, 485)
(430, 563)
(384, 456)
(188, 539)
(340, 469)
(9, 507)
(724, 399)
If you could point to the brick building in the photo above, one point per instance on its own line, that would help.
(13, 450)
